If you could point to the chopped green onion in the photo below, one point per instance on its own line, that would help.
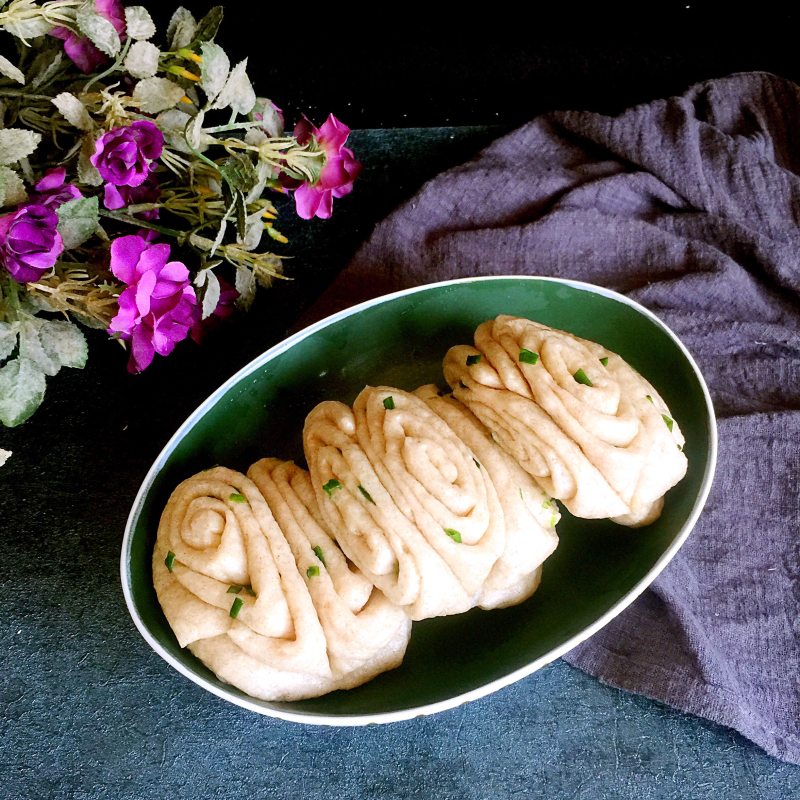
(553, 520)
(521, 496)
(604, 361)
(312, 572)
(581, 377)
(235, 588)
(169, 560)
(647, 397)
(318, 553)
(249, 590)
(669, 421)
(367, 495)
(236, 607)
(331, 486)
(528, 356)
(453, 534)
(388, 403)
(236, 498)
(477, 463)
(547, 504)
(473, 360)
(463, 385)
(680, 447)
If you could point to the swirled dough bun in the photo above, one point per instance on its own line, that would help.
(405, 499)
(590, 429)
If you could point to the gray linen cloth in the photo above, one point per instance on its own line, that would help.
(690, 206)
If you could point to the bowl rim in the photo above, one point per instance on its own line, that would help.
(351, 720)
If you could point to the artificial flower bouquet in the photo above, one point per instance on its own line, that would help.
(134, 185)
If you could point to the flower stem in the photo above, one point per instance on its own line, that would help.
(142, 223)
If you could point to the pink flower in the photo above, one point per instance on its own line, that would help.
(29, 242)
(115, 197)
(52, 191)
(338, 172)
(124, 156)
(80, 50)
(158, 307)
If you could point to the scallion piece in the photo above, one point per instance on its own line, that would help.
(236, 607)
(318, 553)
(388, 403)
(169, 560)
(604, 361)
(547, 504)
(366, 494)
(237, 498)
(528, 356)
(648, 397)
(477, 463)
(553, 520)
(235, 588)
(453, 534)
(473, 360)
(249, 590)
(312, 572)
(331, 486)
(581, 377)
(669, 421)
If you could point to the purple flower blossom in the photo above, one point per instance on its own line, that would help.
(125, 156)
(29, 242)
(338, 172)
(51, 190)
(115, 197)
(158, 307)
(80, 50)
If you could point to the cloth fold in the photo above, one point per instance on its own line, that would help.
(689, 205)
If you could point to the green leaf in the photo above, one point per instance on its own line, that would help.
(209, 25)
(9, 332)
(181, 29)
(214, 70)
(581, 377)
(453, 534)
(17, 143)
(238, 172)
(139, 24)
(73, 110)
(528, 356)
(237, 94)
(31, 347)
(245, 284)
(77, 221)
(210, 295)
(28, 28)
(98, 30)
(142, 60)
(12, 189)
(65, 342)
(11, 71)
(22, 386)
(154, 95)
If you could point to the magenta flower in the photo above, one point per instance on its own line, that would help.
(52, 191)
(83, 54)
(158, 307)
(338, 172)
(29, 242)
(125, 156)
(227, 297)
(115, 197)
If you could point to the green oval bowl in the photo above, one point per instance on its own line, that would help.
(399, 340)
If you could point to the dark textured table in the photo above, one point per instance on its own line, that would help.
(89, 711)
